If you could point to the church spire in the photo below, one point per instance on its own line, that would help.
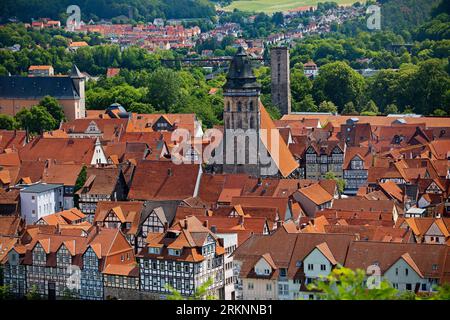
(240, 74)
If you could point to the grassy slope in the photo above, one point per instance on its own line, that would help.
(270, 6)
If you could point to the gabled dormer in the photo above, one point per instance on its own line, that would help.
(209, 246)
(436, 233)
(92, 128)
(434, 188)
(265, 265)
(163, 124)
(357, 163)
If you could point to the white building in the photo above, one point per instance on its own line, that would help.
(40, 200)
(230, 243)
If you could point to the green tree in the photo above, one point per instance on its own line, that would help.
(36, 120)
(391, 109)
(4, 292)
(429, 85)
(346, 284)
(443, 292)
(141, 108)
(164, 89)
(33, 294)
(349, 109)
(53, 107)
(7, 122)
(340, 182)
(81, 179)
(370, 109)
(201, 293)
(300, 85)
(68, 294)
(439, 113)
(307, 104)
(327, 106)
(338, 83)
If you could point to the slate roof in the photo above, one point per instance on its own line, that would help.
(37, 87)
(240, 74)
(41, 187)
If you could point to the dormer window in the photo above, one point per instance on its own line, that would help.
(154, 250)
(208, 249)
(175, 252)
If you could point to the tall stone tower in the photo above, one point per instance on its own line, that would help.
(281, 84)
(241, 116)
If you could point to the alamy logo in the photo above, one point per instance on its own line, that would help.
(74, 279)
(374, 278)
(74, 20)
(374, 19)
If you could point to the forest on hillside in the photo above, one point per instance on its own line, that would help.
(141, 10)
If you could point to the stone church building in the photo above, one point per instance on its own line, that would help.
(251, 143)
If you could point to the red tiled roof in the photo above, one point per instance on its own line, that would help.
(162, 180)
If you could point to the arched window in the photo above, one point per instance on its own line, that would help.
(239, 107)
(252, 122)
(228, 106)
(250, 107)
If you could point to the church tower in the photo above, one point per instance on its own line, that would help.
(241, 116)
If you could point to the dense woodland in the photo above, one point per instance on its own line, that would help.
(138, 10)
(411, 80)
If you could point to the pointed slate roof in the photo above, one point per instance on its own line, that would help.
(75, 72)
(240, 74)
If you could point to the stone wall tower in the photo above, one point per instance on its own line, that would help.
(280, 76)
(241, 111)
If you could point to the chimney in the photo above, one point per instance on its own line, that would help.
(279, 224)
(185, 223)
(298, 185)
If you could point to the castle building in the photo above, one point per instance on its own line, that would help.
(17, 92)
(280, 79)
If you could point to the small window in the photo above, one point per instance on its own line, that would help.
(250, 286)
(310, 266)
(323, 267)
(406, 271)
